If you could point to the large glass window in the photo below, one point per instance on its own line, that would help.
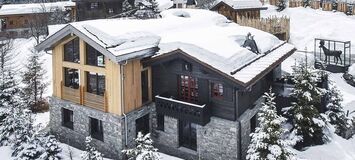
(94, 57)
(96, 129)
(71, 51)
(71, 78)
(95, 83)
(67, 118)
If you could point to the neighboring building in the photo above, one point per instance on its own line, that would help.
(184, 77)
(239, 9)
(98, 9)
(16, 18)
(184, 3)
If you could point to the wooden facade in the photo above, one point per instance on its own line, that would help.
(97, 9)
(236, 99)
(237, 14)
(111, 100)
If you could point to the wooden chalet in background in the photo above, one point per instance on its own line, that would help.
(236, 10)
(15, 19)
(97, 9)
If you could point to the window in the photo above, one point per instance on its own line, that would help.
(160, 122)
(217, 90)
(144, 86)
(188, 88)
(179, 5)
(96, 129)
(11, 22)
(67, 118)
(94, 5)
(94, 57)
(187, 67)
(253, 124)
(71, 78)
(142, 125)
(95, 83)
(71, 51)
(26, 21)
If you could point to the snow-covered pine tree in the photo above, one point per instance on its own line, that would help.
(23, 131)
(335, 111)
(281, 5)
(90, 153)
(155, 7)
(144, 149)
(51, 148)
(267, 142)
(8, 85)
(31, 149)
(34, 82)
(126, 6)
(205, 4)
(307, 121)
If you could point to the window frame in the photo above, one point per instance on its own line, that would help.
(66, 70)
(92, 57)
(74, 46)
(68, 123)
(217, 90)
(95, 90)
(97, 131)
(160, 122)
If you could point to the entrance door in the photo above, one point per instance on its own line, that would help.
(142, 125)
(187, 135)
(188, 88)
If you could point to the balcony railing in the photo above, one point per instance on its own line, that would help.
(80, 96)
(194, 113)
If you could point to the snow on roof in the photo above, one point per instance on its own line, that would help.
(205, 35)
(243, 4)
(164, 4)
(11, 9)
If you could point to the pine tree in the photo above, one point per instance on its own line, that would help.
(155, 7)
(51, 148)
(281, 5)
(31, 149)
(126, 6)
(8, 84)
(307, 121)
(34, 80)
(23, 131)
(90, 152)
(266, 142)
(335, 112)
(144, 149)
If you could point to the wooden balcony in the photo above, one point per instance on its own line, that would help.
(199, 114)
(80, 96)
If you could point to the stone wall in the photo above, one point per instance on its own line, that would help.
(112, 144)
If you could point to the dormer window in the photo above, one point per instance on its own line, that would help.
(94, 57)
(71, 51)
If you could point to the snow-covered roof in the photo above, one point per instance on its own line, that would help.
(242, 4)
(12, 9)
(205, 35)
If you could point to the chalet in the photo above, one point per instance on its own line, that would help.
(184, 3)
(16, 18)
(239, 9)
(97, 9)
(184, 78)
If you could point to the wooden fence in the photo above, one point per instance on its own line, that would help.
(279, 26)
(326, 6)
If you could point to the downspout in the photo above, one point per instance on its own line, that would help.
(239, 144)
(122, 102)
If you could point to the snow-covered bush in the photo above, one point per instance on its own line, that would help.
(281, 5)
(335, 112)
(267, 143)
(307, 121)
(144, 149)
(51, 148)
(90, 152)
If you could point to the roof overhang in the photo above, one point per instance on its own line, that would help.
(216, 6)
(56, 38)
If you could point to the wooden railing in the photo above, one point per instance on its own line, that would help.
(80, 96)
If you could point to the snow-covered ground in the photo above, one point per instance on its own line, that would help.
(306, 25)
